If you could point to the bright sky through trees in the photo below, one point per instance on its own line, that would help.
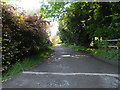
(27, 4)
(34, 5)
(54, 28)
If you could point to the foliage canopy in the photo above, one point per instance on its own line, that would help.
(81, 22)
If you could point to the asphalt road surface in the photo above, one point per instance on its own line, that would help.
(67, 68)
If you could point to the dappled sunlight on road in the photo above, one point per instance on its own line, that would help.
(58, 45)
(75, 56)
(81, 55)
(65, 55)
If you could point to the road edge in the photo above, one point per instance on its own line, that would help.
(107, 60)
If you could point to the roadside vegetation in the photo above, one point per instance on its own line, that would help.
(87, 24)
(25, 40)
(82, 26)
(110, 54)
(77, 48)
(26, 63)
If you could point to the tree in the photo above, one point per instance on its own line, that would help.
(81, 22)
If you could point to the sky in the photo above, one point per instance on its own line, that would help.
(54, 28)
(28, 5)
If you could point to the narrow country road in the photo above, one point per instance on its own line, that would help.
(67, 68)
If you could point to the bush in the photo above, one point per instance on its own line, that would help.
(22, 35)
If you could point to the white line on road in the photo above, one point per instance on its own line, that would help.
(87, 74)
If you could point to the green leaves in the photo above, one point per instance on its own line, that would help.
(22, 36)
(53, 9)
(84, 21)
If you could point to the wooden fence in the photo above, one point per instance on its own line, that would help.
(114, 46)
(113, 40)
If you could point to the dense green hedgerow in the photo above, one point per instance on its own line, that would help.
(22, 35)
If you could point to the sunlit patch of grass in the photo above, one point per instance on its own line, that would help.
(90, 49)
(25, 64)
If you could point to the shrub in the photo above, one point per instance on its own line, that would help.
(22, 35)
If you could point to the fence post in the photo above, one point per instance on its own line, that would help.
(118, 50)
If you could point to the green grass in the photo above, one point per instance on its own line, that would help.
(111, 54)
(25, 64)
(77, 48)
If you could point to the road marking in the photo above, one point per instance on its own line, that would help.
(87, 74)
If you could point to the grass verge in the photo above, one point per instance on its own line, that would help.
(25, 64)
(77, 48)
(111, 54)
